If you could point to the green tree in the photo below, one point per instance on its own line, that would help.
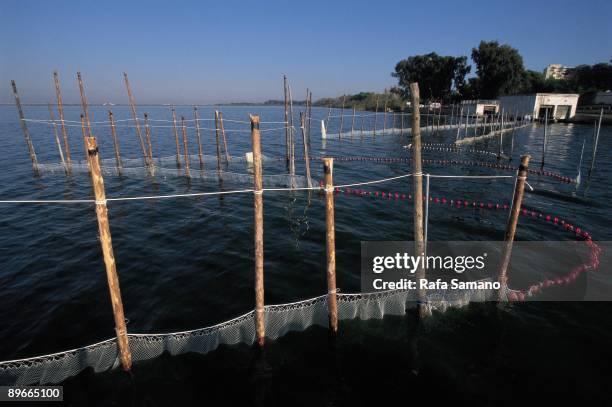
(500, 69)
(435, 74)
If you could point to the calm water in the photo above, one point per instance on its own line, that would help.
(187, 263)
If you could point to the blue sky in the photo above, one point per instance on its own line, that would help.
(208, 52)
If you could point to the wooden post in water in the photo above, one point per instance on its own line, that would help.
(57, 140)
(148, 136)
(328, 116)
(291, 139)
(402, 121)
(385, 117)
(459, 123)
(111, 119)
(60, 111)
(227, 156)
(258, 218)
(84, 104)
(306, 158)
(217, 141)
(135, 116)
(419, 245)
(24, 128)
(341, 117)
(176, 139)
(330, 238)
(309, 118)
(287, 120)
(107, 252)
(545, 138)
(376, 115)
(196, 119)
(84, 131)
(353, 122)
(186, 151)
(519, 189)
(595, 143)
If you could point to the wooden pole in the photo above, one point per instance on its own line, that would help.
(419, 245)
(57, 140)
(217, 140)
(330, 237)
(84, 131)
(24, 128)
(291, 139)
(309, 117)
(341, 117)
(402, 121)
(545, 138)
(519, 189)
(459, 124)
(186, 151)
(328, 116)
(148, 136)
(376, 115)
(111, 119)
(353, 122)
(107, 251)
(258, 218)
(287, 120)
(361, 115)
(385, 117)
(176, 139)
(306, 158)
(135, 116)
(227, 156)
(60, 111)
(84, 104)
(196, 119)
(596, 142)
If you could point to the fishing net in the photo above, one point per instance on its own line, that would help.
(167, 167)
(279, 320)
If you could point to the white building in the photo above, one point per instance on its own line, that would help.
(560, 106)
(557, 71)
(480, 107)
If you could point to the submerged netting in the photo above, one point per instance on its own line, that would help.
(279, 320)
(167, 167)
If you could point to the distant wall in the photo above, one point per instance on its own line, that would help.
(531, 104)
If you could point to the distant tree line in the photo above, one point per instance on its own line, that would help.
(499, 71)
(365, 101)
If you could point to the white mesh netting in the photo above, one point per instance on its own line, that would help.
(280, 319)
(135, 167)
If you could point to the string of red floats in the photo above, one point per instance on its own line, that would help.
(471, 163)
(513, 295)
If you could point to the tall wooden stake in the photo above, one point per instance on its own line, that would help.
(419, 245)
(353, 122)
(341, 117)
(135, 116)
(330, 237)
(217, 140)
(306, 158)
(287, 120)
(596, 142)
(148, 135)
(186, 151)
(385, 117)
(176, 139)
(545, 137)
(196, 119)
(60, 111)
(515, 210)
(57, 140)
(111, 119)
(376, 116)
(258, 218)
(227, 156)
(84, 104)
(107, 251)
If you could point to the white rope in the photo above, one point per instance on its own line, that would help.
(242, 191)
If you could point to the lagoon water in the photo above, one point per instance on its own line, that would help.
(187, 263)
